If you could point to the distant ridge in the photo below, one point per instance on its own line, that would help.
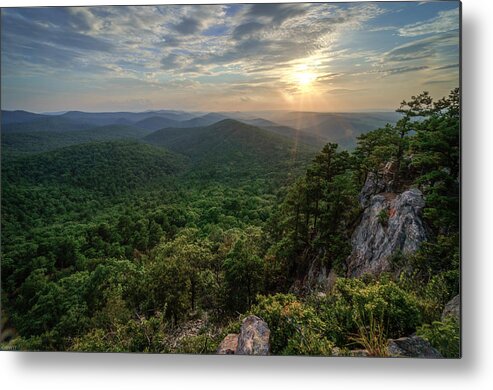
(311, 128)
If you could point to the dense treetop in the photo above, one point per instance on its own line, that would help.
(117, 244)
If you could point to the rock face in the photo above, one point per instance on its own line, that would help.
(389, 224)
(452, 308)
(254, 337)
(228, 345)
(318, 277)
(413, 346)
(373, 185)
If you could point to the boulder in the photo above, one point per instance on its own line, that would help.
(452, 308)
(254, 337)
(228, 345)
(414, 347)
(390, 224)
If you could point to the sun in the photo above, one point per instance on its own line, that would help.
(303, 77)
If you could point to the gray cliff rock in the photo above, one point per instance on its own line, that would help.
(377, 183)
(254, 337)
(319, 278)
(452, 308)
(373, 185)
(389, 224)
(413, 346)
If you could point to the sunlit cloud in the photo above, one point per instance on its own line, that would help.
(445, 21)
(239, 56)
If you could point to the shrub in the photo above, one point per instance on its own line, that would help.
(354, 304)
(372, 337)
(202, 343)
(444, 336)
(295, 327)
(137, 335)
(432, 295)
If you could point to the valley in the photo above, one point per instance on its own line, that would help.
(163, 231)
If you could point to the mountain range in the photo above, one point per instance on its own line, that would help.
(310, 128)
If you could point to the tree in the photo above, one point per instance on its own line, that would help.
(243, 270)
(435, 150)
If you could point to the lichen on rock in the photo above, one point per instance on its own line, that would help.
(253, 339)
(375, 241)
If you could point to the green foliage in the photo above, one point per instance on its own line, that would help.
(433, 274)
(42, 141)
(231, 151)
(372, 336)
(137, 335)
(295, 327)
(444, 336)
(380, 305)
(116, 245)
(106, 167)
(375, 149)
(383, 217)
(436, 156)
(202, 343)
(318, 214)
(243, 271)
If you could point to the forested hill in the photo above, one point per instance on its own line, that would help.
(223, 136)
(41, 141)
(107, 167)
(45, 123)
(165, 243)
(235, 149)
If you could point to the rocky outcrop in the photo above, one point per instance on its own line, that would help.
(390, 224)
(253, 339)
(452, 308)
(414, 347)
(377, 183)
(318, 278)
(228, 345)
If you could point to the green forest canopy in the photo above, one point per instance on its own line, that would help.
(113, 245)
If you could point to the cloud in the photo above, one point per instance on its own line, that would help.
(277, 13)
(450, 66)
(188, 26)
(60, 28)
(239, 50)
(171, 61)
(433, 82)
(174, 38)
(247, 29)
(344, 91)
(445, 21)
(403, 69)
(422, 48)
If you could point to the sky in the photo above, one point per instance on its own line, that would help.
(331, 57)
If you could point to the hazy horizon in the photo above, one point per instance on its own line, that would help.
(143, 110)
(319, 57)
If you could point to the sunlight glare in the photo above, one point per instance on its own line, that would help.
(304, 77)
